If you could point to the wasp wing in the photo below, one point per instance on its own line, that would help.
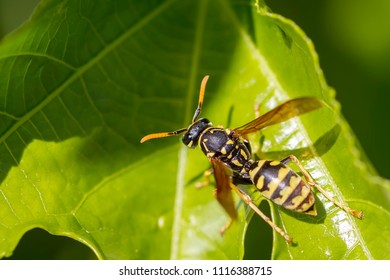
(223, 190)
(283, 112)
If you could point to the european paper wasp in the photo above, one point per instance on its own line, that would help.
(232, 164)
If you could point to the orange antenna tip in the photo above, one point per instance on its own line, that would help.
(162, 134)
(203, 88)
(201, 97)
(153, 136)
(205, 78)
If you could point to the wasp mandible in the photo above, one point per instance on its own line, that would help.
(232, 164)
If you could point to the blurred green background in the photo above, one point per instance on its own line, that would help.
(352, 39)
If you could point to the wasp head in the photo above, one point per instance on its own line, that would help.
(191, 137)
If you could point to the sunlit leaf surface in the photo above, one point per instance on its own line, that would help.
(81, 83)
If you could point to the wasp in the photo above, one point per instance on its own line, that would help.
(230, 156)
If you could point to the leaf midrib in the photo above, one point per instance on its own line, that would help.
(182, 156)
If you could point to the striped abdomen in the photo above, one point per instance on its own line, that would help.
(279, 183)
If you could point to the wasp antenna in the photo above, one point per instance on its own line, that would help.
(201, 97)
(162, 134)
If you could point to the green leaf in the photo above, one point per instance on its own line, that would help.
(82, 82)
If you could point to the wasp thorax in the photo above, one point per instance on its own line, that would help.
(191, 137)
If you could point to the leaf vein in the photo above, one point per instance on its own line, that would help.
(182, 161)
(77, 74)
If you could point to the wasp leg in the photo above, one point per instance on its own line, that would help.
(312, 183)
(223, 229)
(257, 109)
(207, 181)
(247, 199)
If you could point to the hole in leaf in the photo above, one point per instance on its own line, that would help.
(38, 244)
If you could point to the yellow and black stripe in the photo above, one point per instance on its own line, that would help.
(279, 183)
